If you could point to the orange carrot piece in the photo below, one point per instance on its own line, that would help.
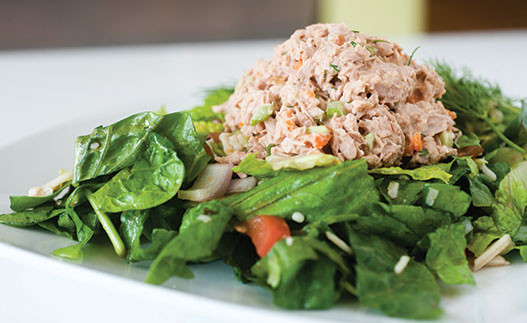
(416, 142)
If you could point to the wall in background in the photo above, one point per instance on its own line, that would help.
(66, 23)
(59, 23)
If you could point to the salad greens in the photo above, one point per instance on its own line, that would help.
(384, 236)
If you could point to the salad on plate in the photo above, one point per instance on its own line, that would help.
(340, 168)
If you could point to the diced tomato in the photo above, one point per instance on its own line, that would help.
(265, 231)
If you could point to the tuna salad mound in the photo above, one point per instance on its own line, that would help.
(329, 89)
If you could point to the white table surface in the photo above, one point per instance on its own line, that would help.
(43, 89)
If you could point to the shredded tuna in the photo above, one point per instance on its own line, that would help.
(384, 101)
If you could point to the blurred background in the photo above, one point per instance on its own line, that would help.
(26, 24)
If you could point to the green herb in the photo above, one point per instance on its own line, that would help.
(335, 67)
(475, 101)
(412, 55)
(380, 41)
(372, 50)
(355, 31)
(423, 152)
(284, 53)
(354, 44)
(268, 149)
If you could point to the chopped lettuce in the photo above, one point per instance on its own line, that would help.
(446, 255)
(302, 162)
(423, 173)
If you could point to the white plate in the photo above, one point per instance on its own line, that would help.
(104, 286)
(50, 88)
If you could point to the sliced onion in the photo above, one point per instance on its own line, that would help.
(211, 183)
(240, 185)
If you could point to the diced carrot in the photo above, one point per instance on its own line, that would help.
(391, 126)
(241, 124)
(298, 64)
(290, 125)
(310, 93)
(416, 143)
(408, 150)
(341, 40)
(265, 231)
(321, 140)
(451, 113)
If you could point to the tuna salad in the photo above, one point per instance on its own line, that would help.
(329, 89)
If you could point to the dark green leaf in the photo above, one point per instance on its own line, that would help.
(22, 202)
(154, 179)
(179, 129)
(214, 97)
(446, 255)
(313, 192)
(199, 235)
(414, 293)
(30, 217)
(112, 148)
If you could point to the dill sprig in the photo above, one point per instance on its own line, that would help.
(481, 107)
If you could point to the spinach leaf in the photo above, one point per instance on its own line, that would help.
(29, 217)
(315, 193)
(198, 237)
(51, 226)
(179, 129)
(132, 226)
(22, 202)
(214, 97)
(154, 179)
(422, 173)
(112, 148)
(204, 128)
(414, 293)
(446, 255)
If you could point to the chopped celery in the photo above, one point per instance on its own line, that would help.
(447, 138)
(335, 107)
(318, 129)
(261, 113)
(370, 140)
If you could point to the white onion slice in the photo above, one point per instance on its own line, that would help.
(240, 185)
(211, 183)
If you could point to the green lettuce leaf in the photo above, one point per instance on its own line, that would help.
(446, 255)
(214, 97)
(414, 293)
(199, 235)
(313, 192)
(422, 173)
(302, 162)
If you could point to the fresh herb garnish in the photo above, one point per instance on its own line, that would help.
(412, 55)
(423, 152)
(380, 41)
(269, 149)
(355, 31)
(372, 50)
(354, 44)
(335, 67)
(284, 53)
